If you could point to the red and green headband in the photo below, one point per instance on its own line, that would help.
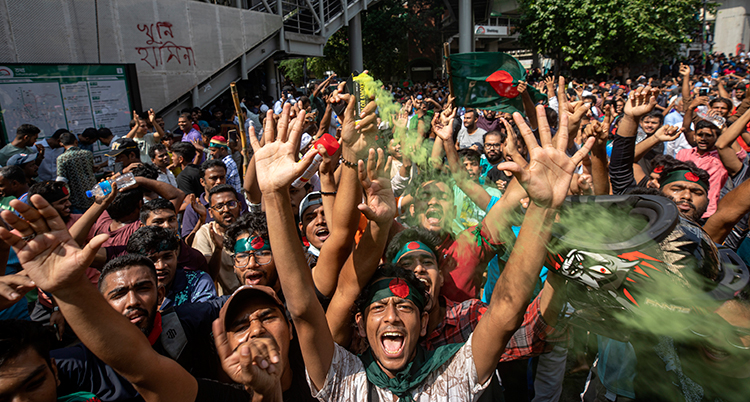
(683, 175)
(411, 247)
(384, 288)
(252, 243)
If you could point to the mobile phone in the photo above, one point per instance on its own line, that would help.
(702, 91)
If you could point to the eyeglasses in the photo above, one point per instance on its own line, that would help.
(262, 257)
(229, 204)
(490, 145)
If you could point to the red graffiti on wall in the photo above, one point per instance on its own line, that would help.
(157, 43)
(740, 48)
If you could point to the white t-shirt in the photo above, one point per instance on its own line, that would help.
(465, 139)
(145, 143)
(454, 381)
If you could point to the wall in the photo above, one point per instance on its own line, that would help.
(732, 26)
(175, 44)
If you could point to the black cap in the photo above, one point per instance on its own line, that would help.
(122, 145)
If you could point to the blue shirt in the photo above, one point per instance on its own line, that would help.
(189, 287)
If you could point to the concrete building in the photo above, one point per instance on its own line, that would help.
(732, 27)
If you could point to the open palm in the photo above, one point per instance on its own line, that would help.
(381, 204)
(50, 256)
(547, 177)
(275, 162)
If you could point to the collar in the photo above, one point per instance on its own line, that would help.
(313, 250)
(156, 331)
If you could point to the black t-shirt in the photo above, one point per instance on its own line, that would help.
(189, 180)
(496, 174)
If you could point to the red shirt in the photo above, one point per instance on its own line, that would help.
(463, 262)
(117, 237)
(462, 318)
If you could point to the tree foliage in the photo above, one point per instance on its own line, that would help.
(603, 33)
(389, 27)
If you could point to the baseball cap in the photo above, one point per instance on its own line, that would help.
(242, 294)
(20, 159)
(122, 145)
(312, 199)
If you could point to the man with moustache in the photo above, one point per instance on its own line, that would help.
(247, 243)
(224, 208)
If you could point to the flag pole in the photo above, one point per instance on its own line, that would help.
(241, 117)
(447, 55)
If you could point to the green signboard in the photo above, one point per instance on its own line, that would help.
(70, 96)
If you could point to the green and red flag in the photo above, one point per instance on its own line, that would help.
(489, 80)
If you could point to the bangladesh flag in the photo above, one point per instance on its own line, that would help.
(485, 80)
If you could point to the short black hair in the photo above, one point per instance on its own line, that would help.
(47, 189)
(429, 238)
(701, 124)
(157, 147)
(184, 149)
(13, 173)
(124, 262)
(90, 133)
(104, 132)
(125, 203)
(221, 188)
(210, 164)
(209, 132)
(18, 336)
(655, 113)
(56, 135)
(68, 139)
(27, 129)
(155, 205)
(499, 133)
(470, 110)
(146, 170)
(250, 223)
(468, 153)
(723, 100)
(390, 271)
(151, 239)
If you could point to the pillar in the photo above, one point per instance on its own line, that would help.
(243, 66)
(271, 84)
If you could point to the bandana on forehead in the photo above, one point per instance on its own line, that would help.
(684, 175)
(252, 243)
(389, 287)
(58, 194)
(411, 247)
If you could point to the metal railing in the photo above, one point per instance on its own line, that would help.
(300, 16)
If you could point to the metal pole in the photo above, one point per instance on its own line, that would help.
(355, 44)
(703, 35)
(465, 37)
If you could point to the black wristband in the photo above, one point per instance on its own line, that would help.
(328, 192)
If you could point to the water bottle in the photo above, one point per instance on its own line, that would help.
(702, 112)
(105, 187)
(331, 146)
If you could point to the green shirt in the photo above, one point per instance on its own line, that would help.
(10, 150)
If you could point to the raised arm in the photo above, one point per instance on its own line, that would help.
(546, 180)
(663, 134)
(685, 73)
(57, 264)
(361, 265)
(81, 228)
(275, 162)
(158, 131)
(599, 160)
(528, 104)
(731, 208)
(727, 154)
(354, 145)
(164, 190)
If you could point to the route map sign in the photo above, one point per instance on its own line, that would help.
(70, 96)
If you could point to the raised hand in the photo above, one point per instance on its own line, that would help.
(684, 69)
(358, 132)
(598, 131)
(275, 162)
(547, 177)
(380, 206)
(443, 127)
(521, 88)
(640, 102)
(152, 116)
(667, 133)
(13, 288)
(256, 363)
(45, 249)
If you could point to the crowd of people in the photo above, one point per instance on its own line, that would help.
(417, 263)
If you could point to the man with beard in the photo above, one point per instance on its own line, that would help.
(224, 208)
(469, 132)
(706, 156)
(161, 246)
(488, 121)
(688, 186)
